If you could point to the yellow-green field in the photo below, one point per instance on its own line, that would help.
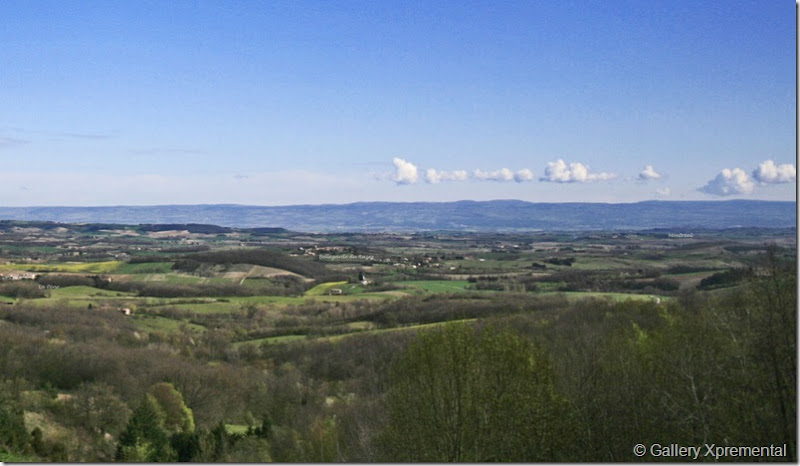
(323, 288)
(66, 267)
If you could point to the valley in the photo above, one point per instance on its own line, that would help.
(298, 329)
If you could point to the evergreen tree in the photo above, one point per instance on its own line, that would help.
(13, 436)
(145, 438)
(177, 416)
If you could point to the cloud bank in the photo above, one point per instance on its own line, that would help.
(729, 182)
(523, 175)
(736, 181)
(574, 172)
(435, 176)
(770, 173)
(408, 173)
(504, 174)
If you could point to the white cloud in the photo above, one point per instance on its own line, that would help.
(435, 176)
(406, 172)
(523, 175)
(663, 192)
(649, 173)
(729, 182)
(504, 174)
(769, 173)
(575, 172)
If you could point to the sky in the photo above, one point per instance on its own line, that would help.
(317, 102)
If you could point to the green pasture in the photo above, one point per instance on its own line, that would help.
(213, 307)
(172, 278)
(86, 292)
(76, 267)
(323, 288)
(392, 329)
(144, 267)
(357, 330)
(435, 286)
(235, 303)
(598, 263)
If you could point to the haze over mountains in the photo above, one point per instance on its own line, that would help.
(500, 215)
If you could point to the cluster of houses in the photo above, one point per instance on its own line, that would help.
(14, 276)
(314, 250)
(362, 279)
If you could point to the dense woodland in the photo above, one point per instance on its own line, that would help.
(503, 373)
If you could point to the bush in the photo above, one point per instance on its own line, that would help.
(22, 289)
(64, 280)
(725, 279)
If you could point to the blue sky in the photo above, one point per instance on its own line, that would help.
(274, 103)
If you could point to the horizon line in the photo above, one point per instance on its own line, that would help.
(381, 202)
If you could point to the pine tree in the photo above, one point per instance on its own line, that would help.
(145, 438)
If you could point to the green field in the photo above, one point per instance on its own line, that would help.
(323, 288)
(144, 267)
(66, 267)
(393, 329)
(435, 286)
(73, 292)
(357, 330)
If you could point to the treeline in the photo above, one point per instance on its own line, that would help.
(643, 280)
(190, 227)
(725, 278)
(282, 285)
(443, 307)
(276, 286)
(498, 283)
(264, 257)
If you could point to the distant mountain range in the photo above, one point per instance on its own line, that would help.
(501, 215)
